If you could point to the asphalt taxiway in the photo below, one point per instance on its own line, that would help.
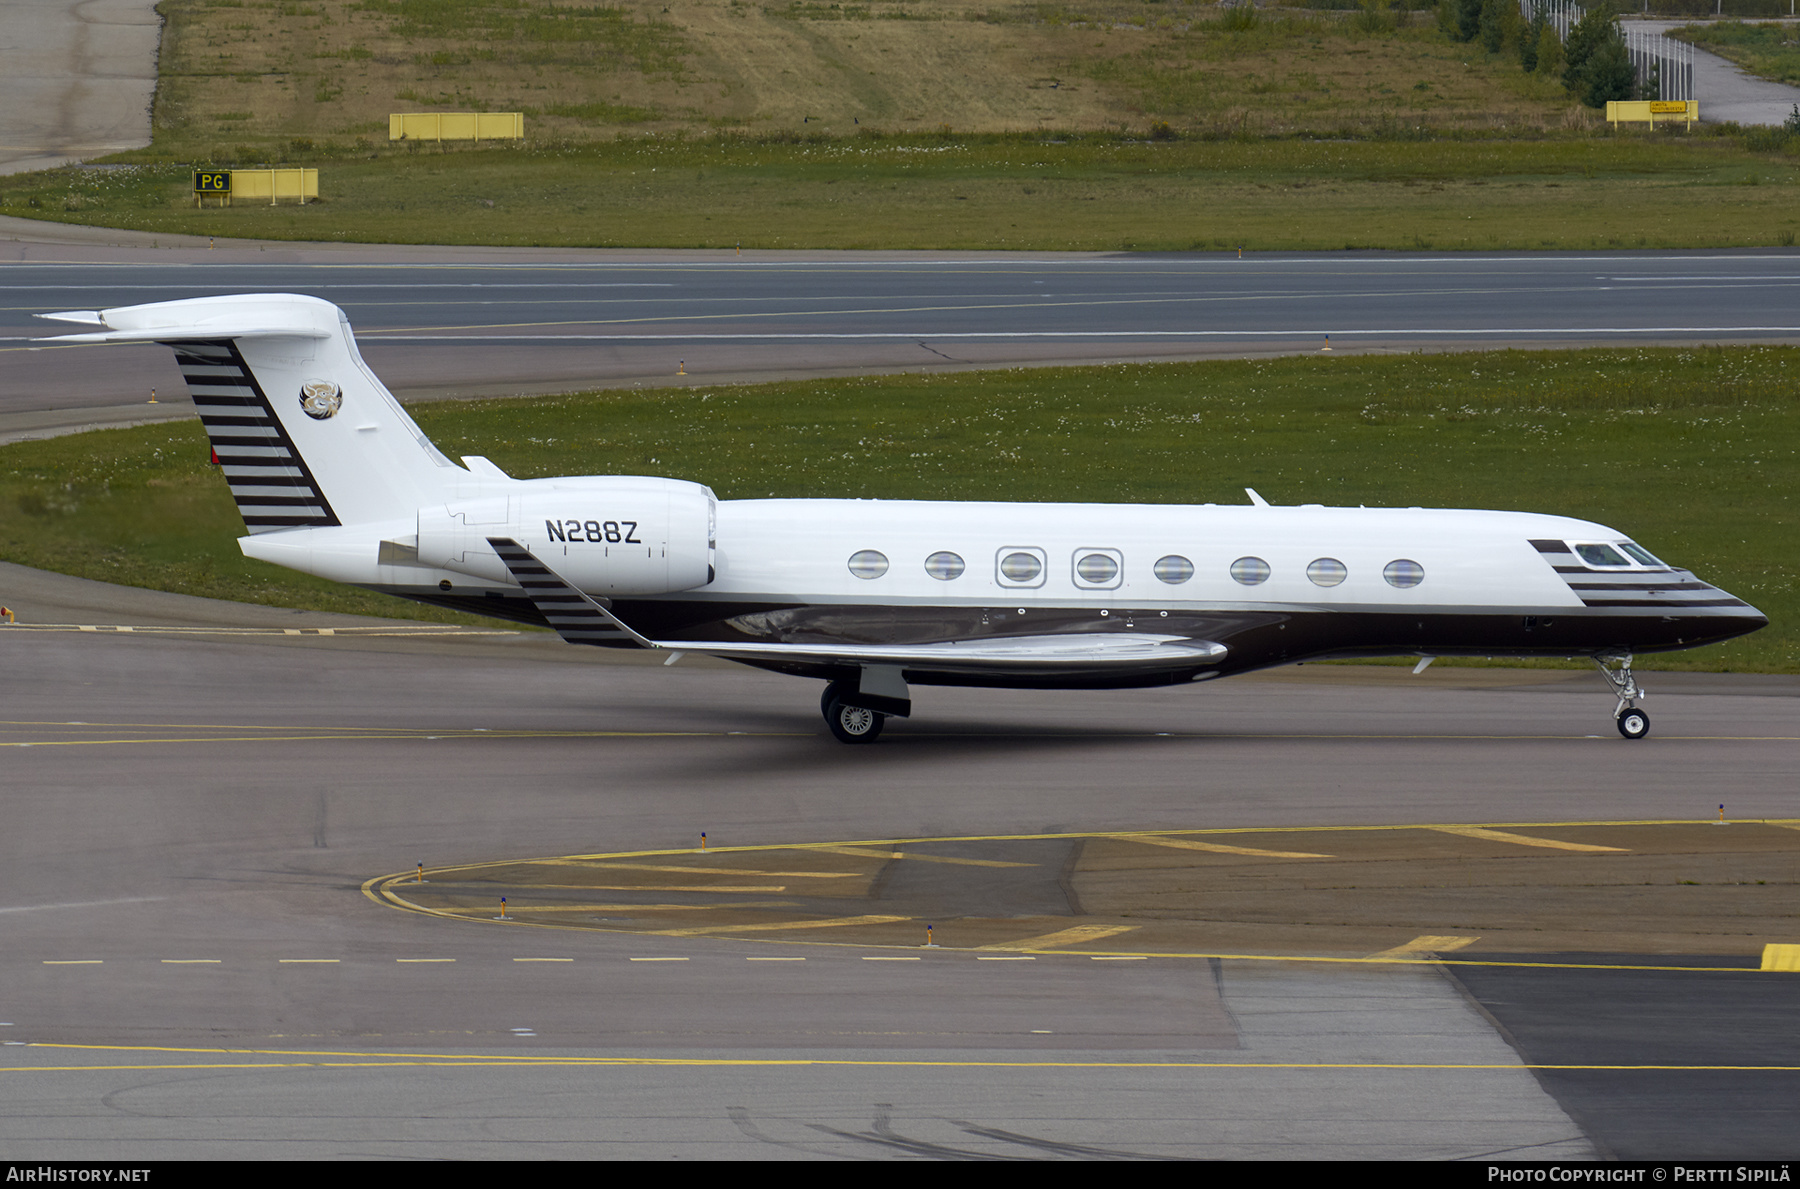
(190, 963)
(440, 323)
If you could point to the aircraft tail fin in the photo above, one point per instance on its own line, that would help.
(305, 433)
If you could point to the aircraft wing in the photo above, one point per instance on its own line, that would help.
(582, 619)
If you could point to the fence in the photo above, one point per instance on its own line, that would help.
(1667, 62)
(456, 125)
(274, 184)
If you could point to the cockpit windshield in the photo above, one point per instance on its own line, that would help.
(1617, 555)
(1601, 555)
(1641, 555)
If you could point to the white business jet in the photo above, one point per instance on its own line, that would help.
(875, 596)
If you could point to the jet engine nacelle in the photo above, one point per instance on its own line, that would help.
(611, 535)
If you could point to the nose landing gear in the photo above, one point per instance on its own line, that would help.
(1633, 722)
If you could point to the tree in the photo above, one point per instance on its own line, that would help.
(1498, 24)
(1549, 51)
(1531, 35)
(1598, 68)
(1460, 19)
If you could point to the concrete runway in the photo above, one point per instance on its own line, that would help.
(189, 966)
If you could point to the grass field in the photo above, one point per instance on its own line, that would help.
(1098, 192)
(243, 77)
(1694, 453)
(936, 124)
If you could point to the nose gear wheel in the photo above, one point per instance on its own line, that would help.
(1633, 722)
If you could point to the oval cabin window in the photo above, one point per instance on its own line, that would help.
(1174, 569)
(1251, 571)
(868, 563)
(1404, 573)
(1327, 571)
(944, 566)
(1097, 568)
(1020, 567)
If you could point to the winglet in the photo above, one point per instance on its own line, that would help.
(1258, 500)
(576, 617)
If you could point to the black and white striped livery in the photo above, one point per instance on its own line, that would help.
(874, 597)
(268, 477)
(576, 618)
(1614, 579)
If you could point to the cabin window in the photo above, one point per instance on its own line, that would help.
(1020, 566)
(1174, 569)
(1601, 555)
(1404, 573)
(1641, 555)
(868, 563)
(1098, 569)
(1327, 571)
(1251, 571)
(944, 566)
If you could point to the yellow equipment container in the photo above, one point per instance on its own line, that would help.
(456, 125)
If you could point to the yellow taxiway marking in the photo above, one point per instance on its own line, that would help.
(191, 961)
(1781, 957)
(1004, 958)
(543, 959)
(627, 887)
(777, 926)
(535, 908)
(1527, 840)
(1218, 847)
(74, 961)
(1074, 936)
(386, 888)
(656, 959)
(310, 1059)
(1427, 944)
(424, 959)
(309, 961)
(611, 859)
(774, 959)
(585, 861)
(865, 853)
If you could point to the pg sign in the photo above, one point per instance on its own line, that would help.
(216, 181)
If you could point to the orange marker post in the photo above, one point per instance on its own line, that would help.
(703, 842)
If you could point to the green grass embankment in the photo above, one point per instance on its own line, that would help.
(1096, 193)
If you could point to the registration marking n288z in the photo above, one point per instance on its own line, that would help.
(608, 531)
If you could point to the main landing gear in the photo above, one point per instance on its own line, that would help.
(849, 724)
(1633, 722)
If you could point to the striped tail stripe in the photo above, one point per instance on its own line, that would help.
(273, 487)
(566, 609)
